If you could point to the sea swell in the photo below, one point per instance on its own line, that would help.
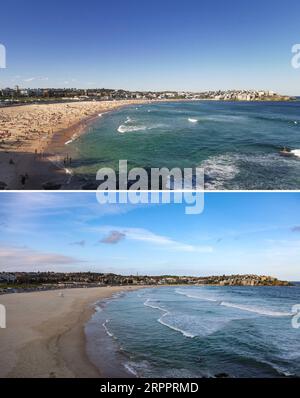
(163, 322)
(248, 308)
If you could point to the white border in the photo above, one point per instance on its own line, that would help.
(149, 191)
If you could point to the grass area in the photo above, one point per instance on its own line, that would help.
(18, 286)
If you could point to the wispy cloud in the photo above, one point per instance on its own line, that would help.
(16, 258)
(19, 209)
(37, 78)
(116, 234)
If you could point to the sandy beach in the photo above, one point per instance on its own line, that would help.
(29, 135)
(44, 335)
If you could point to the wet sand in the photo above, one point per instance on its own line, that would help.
(45, 335)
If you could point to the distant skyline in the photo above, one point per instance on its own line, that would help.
(158, 45)
(257, 233)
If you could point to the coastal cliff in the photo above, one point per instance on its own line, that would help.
(245, 280)
(11, 282)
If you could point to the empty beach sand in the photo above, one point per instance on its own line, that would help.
(45, 335)
(27, 132)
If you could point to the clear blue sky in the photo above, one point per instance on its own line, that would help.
(236, 233)
(165, 44)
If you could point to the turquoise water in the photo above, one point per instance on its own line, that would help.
(237, 143)
(198, 332)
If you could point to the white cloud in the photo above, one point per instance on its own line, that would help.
(31, 79)
(13, 258)
(144, 235)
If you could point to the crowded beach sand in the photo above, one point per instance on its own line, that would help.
(27, 156)
(44, 335)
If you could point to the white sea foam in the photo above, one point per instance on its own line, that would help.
(296, 152)
(106, 329)
(225, 118)
(256, 310)
(219, 170)
(127, 129)
(156, 307)
(191, 120)
(222, 169)
(73, 138)
(193, 296)
(130, 369)
(131, 125)
(161, 319)
(177, 329)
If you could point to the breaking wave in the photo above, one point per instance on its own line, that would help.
(256, 310)
(242, 307)
(156, 307)
(162, 321)
(194, 296)
(106, 329)
(296, 152)
(73, 138)
(130, 369)
(219, 170)
(131, 125)
(127, 129)
(176, 328)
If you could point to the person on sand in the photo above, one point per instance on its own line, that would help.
(11, 161)
(23, 180)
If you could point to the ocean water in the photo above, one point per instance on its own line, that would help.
(237, 143)
(197, 332)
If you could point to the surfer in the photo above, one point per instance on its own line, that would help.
(286, 152)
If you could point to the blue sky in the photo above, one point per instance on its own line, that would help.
(236, 233)
(165, 44)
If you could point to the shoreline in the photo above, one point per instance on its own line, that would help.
(46, 337)
(42, 148)
(35, 141)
